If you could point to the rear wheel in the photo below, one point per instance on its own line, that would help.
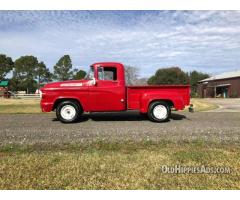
(159, 111)
(68, 111)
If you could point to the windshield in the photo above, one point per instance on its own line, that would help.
(90, 74)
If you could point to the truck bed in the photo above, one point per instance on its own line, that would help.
(136, 93)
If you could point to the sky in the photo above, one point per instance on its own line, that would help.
(206, 41)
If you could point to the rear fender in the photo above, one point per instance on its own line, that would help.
(147, 98)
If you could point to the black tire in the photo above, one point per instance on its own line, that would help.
(74, 106)
(163, 105)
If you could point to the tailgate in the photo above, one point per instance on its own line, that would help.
(184, 91)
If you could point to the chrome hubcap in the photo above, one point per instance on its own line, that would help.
(68, 112)
(160, 112)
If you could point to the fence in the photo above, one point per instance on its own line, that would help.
(26, 96)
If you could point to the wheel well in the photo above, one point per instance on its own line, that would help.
(169, 102)
(58, 101)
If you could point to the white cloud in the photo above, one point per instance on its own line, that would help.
(194, 40)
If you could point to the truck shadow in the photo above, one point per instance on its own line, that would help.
(123, 116)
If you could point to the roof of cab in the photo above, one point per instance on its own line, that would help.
(107, 63)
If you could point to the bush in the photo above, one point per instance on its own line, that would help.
(172, 75)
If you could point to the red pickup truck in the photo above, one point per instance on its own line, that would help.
(104, 90)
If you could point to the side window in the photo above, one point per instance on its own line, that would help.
(107, 73)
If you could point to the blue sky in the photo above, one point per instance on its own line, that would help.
(207, 41)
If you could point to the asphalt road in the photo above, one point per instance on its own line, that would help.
(44, 128)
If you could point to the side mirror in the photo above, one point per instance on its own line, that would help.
(94, 82)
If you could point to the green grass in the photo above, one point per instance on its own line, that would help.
(19, 106)
(201, 105)
(126, 165)
(20, 109)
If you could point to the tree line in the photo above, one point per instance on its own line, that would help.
(29, 74)
(175, 75)
(169, 75)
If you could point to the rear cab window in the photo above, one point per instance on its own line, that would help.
(107, 73)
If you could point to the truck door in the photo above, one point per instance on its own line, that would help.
(108, 94)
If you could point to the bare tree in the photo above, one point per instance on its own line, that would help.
(131, 74)
(141, 81)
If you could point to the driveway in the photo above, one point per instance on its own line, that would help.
(225, 105)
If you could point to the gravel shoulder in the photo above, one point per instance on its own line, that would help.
(44, 128)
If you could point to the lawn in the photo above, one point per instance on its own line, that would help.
(127, 165)
(202, 105)
(33, 105)
(20, 106)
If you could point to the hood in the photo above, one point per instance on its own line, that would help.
(67, 84)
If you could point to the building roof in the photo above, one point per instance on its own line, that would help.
(4, 83)
(225, 75)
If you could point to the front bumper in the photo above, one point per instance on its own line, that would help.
(46, 106)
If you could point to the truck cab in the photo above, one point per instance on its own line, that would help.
(104, 90)
(107, 91)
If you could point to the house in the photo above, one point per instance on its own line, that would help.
(223, 85)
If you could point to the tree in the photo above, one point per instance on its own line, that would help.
(24, 73)
(6, 65)
(62, 69)
(141, 81)
(15, 84)
(196, 76)
(131, 74)
(43, 74)
(79, 74)
(171, 75)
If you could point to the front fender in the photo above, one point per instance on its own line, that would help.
(70, 97)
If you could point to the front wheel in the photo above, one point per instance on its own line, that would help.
(159, 111)
(68, 111)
